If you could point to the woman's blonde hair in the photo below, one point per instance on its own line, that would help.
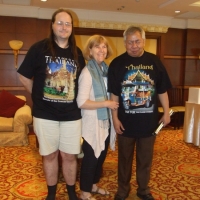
(96, 40)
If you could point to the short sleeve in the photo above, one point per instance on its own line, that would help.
(84, 87)
(27, 67)
(113, 82)
(163, 83)
(81, 59)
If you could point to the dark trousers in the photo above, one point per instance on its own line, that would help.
(144, 157)
(91, 167)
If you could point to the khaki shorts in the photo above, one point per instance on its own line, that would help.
(54, 135)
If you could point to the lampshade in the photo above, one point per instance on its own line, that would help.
(16, 44)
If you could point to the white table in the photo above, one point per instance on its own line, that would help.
(191, 128)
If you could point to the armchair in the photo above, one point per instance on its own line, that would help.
(14, 131)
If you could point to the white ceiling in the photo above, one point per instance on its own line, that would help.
(149, 7)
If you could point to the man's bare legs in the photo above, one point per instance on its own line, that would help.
(50, 167)
(69, 167)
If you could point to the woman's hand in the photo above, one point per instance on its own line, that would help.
(113, 105)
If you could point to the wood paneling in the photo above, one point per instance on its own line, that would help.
(174, 42)
(192, 67)
(92, 31)
(193, 35)
(7, 24)
(175, 69)
(28, 39)
(43, 27)
(6, 62)
(26, 25)
(178, 49)
(182, 57)
(5, 38)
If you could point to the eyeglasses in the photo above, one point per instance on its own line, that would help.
(60, 23)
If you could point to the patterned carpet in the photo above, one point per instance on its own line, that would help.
(175, 172)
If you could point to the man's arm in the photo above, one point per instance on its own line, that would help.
(117, 124)
(164, 100)
(27, 83)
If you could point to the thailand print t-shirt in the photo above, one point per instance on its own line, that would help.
(60, 80)
(54, 81)
(138, 90)
(137, 81)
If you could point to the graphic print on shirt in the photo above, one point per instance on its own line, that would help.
(59, 82)
(137, 91)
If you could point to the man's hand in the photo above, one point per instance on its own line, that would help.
(165, 119)
(118, 126)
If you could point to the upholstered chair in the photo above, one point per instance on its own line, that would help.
(14, 130)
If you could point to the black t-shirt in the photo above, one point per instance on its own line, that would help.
(137, 81)
(55, 84)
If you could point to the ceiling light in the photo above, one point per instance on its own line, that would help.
(177, 11)
(43, 0)
(195, 4)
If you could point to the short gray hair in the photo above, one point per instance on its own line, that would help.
(133, 29)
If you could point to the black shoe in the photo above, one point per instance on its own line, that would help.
(146, 196)
(50, 198)
(117, 197)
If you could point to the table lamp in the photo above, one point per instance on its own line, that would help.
(15, 45)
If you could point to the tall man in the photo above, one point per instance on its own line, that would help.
(136, 121)
(50, 73)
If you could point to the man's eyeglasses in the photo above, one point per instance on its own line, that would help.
(60, 23)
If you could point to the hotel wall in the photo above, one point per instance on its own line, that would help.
(179, 50)
(117, 44)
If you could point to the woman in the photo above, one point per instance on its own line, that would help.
(94, 103)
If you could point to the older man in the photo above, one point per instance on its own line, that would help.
(136, 121)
